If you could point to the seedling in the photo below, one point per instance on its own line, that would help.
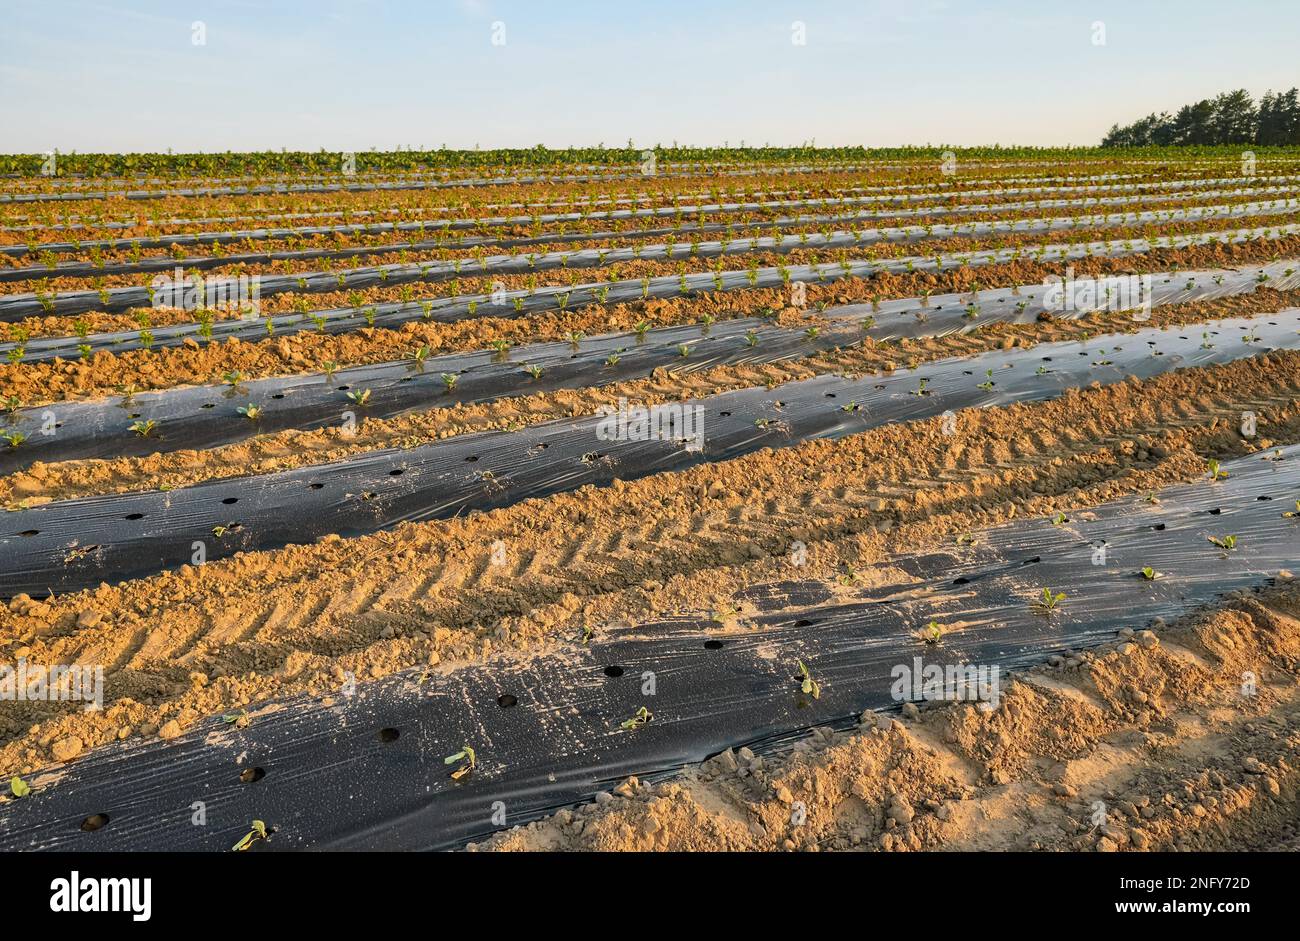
(258, 832)
(811, 333)
(250, 411)
(360, 397)
(238, 719)
(1149, 574)
(1292, 514)
(1224, 542)
(751, 339)
(1048, 600)
(588, 632)
(987, 384)
(724, 614)
(1060, 519)
(851, 407)
(449, 379)
(683, 350)
(143, 428)
(418, 356)
(534, 371)
(807, 685)
(932, 633)
(11, 403)
(501, 346)
(232, 378)
(640, 329)
(639, 718)
(18, 787)
(920, 388)
(1215, 471)
(330, 367)
(468, 761)
(14, 438)
(612, 359)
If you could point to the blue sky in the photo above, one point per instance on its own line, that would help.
(354, 74)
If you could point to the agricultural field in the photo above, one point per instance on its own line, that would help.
(762, 500)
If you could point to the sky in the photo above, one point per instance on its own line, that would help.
(351, 75)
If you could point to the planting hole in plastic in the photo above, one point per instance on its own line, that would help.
(94, 822)
(389, 734)
(713, 645)
(134, 516)
(505, 700)
(613, 670)
(249, 775)
(230, 501)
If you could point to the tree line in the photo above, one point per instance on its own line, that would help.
(1230, 118)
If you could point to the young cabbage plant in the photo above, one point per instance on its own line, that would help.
(465, 758)
(1048, 601)
(807, 685)
(639, 718)
(256, 833)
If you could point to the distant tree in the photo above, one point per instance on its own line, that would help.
(1230, 118)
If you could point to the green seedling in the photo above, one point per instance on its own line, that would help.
(588, 632)
(987, 384)
(143, 428)
(232, 378)
(18, 787)
(683, 350)
(238, 719)
(501, 346)
(612, 359)
(360, 397)
(468, 762)
(811, 333)
(751, 339)
(851, 407)
(11, 403)
(258, 832)
(724, 614)
(329, 367)
(250, 411)
(1149, 574)
(920, 388)
(1060, 519)
(1224, 542)
(449, 379)
(639, 718)
(14, 438)
(807, 685)
(1048, 601)
(1215, 471)
(535, 371)
(932, 633)
(640, 329)
(1292, 514)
